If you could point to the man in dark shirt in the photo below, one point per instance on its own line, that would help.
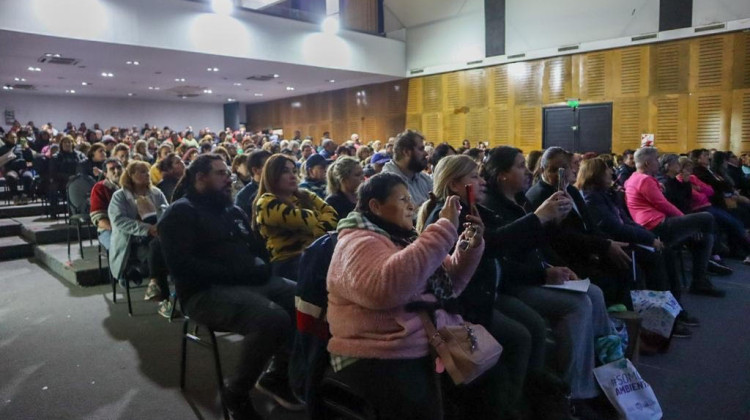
(627, 168)
(172, 169)
(246, 196)
(222, 283)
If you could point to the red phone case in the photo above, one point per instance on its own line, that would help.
(470, 197)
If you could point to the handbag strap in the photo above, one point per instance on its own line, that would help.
(438, 343)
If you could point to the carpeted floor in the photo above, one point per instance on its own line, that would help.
(69, 353)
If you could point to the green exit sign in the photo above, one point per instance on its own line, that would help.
(573, 103)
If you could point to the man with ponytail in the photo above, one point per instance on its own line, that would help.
(222, 282)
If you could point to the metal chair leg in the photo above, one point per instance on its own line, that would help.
(183, 361)
(219, 375)
(90, 226)
(67, 237)
(80, 239)
(127, 293)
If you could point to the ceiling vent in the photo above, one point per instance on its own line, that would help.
(24, 87)
(188, 91)
(261, 77)
(188, 95)
(58, 60)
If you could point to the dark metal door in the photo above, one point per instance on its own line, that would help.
(558, 123)
(587, 128)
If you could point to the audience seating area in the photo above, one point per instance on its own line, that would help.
(85, 358)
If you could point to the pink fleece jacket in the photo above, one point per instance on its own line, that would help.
(701, 193)
(370, 280)
(646, 201)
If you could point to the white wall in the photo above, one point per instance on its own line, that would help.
(712, 11)
(110, 112)
(189, 26)
(455, 40)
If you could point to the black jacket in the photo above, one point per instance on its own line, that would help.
(679, 193)
(519, 240)
(741, 182)
(720, 186)
(22, 156)
(206, 244)
(576, 238)
(614, 221)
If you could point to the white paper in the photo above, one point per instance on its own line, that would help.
(581, 286)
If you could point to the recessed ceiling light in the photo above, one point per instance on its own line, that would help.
(179, 79)
(107, 74)
(70, 91)
(276, 76)
(212, 69)
(153, 88)
(84, 84)
(34, 69)
(289, 88)
(207, 91)
(131, 94)
(7, 87)
(133, 63)
(237, 84)
(331, 81)
(257, 94)
(19, 79)
(52, 55)
(183, 97)
(231, 99)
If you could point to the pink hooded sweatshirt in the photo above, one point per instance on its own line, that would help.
(371, 279)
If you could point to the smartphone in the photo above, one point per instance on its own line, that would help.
(562, 182)
(470, 197)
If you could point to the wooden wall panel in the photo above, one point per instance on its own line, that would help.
(594, 69)
(711, 63)
(454, 128)
(667, 116)
(556, 87)
(501, 126)
(741, 59)
(526, 79)
(477, 125)
(631, 65)
(499, 86)
(475, 88)
(708, 120)
(740, 140)
(359, 15)
(669, 67)
(432, 126)
(528, 134)
(415, 94)
(629, 121)
(453, 92)
(432, 94)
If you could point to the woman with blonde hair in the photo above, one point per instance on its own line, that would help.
(135, 252)
(287, 217)
(344, 177)
(518, 327)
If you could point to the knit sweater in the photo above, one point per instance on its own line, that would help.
(646, 202)
(371, 279)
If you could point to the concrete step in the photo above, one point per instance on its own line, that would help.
(14, 248)
(9, 227)
(41, 230)
(81, 272)
(31, 209)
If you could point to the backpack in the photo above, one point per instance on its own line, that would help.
(310, 359)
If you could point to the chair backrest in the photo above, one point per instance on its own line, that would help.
(78, 192)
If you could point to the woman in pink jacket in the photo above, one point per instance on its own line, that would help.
(379, 266)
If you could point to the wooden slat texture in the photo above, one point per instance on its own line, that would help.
(631, 69)
(528, 128)
(667, 117)
(359, 15)
(454, 128)
(501, 127)
(708, 120)
(669, 67)
(477, 125)
(711, 63)
(499, 85)
(454, 97)
(741, 59)
(527, 82)
(740, 142)
(432, 127)
(475, 88)
(557, 79)
(414, 122)
(629, 122)
(432, 94)
(414, 100)
(594, 76)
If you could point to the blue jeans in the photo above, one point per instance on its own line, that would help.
(105, 236)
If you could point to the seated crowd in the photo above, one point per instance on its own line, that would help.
(472, 234)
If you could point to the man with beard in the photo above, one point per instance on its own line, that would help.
(409, 162)
(101, 195)
(222, 283)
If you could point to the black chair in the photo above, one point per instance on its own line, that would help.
(77, 193)
(192, 336)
